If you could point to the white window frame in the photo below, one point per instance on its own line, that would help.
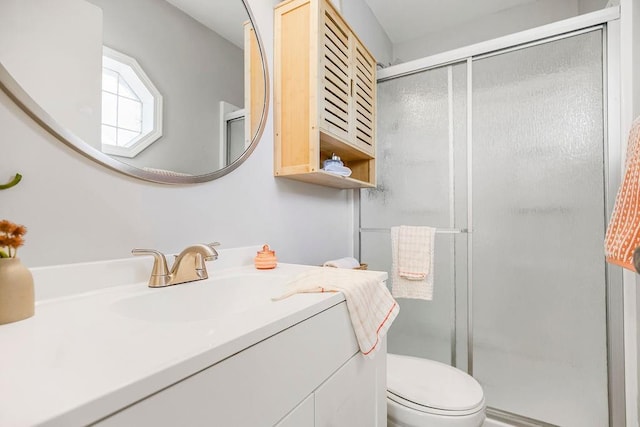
(142, 85)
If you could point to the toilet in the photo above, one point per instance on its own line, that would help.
(426, 393)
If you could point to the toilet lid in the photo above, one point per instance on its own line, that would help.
(432, 384)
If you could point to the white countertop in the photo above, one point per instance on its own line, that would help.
(80, 358)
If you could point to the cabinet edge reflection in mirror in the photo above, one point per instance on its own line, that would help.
(21, 98)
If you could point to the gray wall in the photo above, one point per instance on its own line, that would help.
(630, 109)
(364, 23)
(509, 21)
(193, 68)
(79, 211)
(40, 48)
(630, 58)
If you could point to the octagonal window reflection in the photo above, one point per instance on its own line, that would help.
(131, 106)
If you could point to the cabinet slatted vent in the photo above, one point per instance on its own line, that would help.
(336, 81)
(364, 93)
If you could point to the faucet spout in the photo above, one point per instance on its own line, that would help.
(189, 265)
(207, 252)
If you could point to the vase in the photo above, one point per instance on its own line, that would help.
(17, 299)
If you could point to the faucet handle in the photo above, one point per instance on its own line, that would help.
(160, 272)
(212, 246)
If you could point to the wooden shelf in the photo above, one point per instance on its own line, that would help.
(346, 151)
(328, 179)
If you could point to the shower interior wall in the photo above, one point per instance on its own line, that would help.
(441, 98)
(627, 82)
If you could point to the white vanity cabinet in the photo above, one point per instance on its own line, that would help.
(311, 374)
(346, 398)
(354, 396)
(302, 415)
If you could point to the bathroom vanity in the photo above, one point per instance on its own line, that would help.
(104, 349)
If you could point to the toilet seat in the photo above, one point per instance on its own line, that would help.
(432, 387)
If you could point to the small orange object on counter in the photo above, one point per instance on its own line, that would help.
(265, 259)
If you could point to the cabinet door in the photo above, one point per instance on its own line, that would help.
(349, 398)
(256, 387)
(301, 416)
(335, 40)
(363, 104)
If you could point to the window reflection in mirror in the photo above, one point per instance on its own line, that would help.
(131, 106)
(192, 66)
(193, 63)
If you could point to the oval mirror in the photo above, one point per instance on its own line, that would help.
(169, 91)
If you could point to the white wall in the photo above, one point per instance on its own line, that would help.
(362, 20)
(509, 21)
(76, 210)
(586, 6)
(64, 61)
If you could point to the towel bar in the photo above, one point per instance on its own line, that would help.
(438, 230)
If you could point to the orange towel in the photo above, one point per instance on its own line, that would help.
(623, 233)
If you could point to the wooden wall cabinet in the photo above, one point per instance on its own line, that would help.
(254, 84)
(325, 96)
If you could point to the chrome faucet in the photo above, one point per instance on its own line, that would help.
(189, 265)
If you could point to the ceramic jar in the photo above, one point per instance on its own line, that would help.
(265, 259)
(17, 298)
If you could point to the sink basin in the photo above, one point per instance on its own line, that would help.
(202, 300)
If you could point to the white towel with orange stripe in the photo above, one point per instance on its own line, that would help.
(412, 252)
(372, 309)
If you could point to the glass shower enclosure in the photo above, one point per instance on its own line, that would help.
(505, 155)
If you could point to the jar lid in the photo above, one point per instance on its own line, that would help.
(266, 251)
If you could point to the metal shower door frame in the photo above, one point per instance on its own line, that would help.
(606, 21)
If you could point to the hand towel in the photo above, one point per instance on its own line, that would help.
(372, 309)
(416, 281)
(346, 262)
(623, 232)
(414, 251)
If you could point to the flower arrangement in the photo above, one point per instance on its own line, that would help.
(11, 238)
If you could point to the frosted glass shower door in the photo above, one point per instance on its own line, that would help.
(421, 138)
(538, 274)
